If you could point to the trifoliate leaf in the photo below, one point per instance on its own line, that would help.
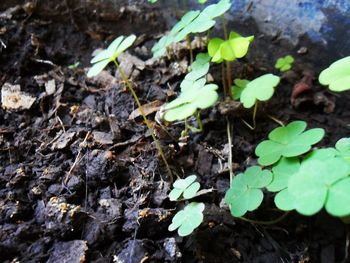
(245, 192)
(282, 171)
(337, 75)
(235, 47)
(239, 86)
(101, 60)
(191, 22)
(190, 101)
(288, 141)
(343, 148)
(311, 185)
(188, 219)
(261, 88)
(186, 187)
(284, 63)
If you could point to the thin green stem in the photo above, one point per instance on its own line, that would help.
(189, 45)
(229, 79)
(254, 118)
(159, 148)
(199, 121)
(230, 155)
(266, 223)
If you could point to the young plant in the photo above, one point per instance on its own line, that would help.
(284, 63)
(337, 75)
(195, 94)
(259, 89)
(231, 49)
(245, 192)
(289, 141)
(192, 22)
(102, 59)
(188, 219)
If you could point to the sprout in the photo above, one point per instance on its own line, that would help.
(261, 88)
(187, 187)
(284, 63)
(118, 46)
(188, 219)
(235, 47)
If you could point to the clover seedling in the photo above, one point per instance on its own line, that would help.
(321, 182)
(284, 63)
(192, 22)
(191, 216)
(235, 47)
(101, 60)
(289, 141)
(188, 219)
(261, 88)
(245, 192)
(187, 187)
(343, 148)
(337, 75)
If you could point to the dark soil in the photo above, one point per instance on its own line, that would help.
(81, 181)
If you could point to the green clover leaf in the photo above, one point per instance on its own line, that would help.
(235, 47)
(191, 22)
(118, 46)
(240, 85)
(321, 183)
(261, 88)
(188, 219)
(187, 187)
(284, 63)
(288, 141)
(245, 192)
(190, 101)
(343, 148)
(337, 75)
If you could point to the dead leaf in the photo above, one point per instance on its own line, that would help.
(148, 109)
(13, 98)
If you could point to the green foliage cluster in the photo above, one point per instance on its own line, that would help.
(195, 93)
(192, 22)
(303, 180)
(284, 63)
(235, 47)
(337, 75)
(259, 89)
(188, 219)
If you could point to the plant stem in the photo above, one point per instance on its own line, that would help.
(254, 117)
(223, 79)
(228, 63)
(229, 137)
(200, 124)
(189, 45)
(159, 148)
(266, 223)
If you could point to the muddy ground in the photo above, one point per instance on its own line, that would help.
(80, 179)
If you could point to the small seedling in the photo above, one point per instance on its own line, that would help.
(188, 219)
(102, 59)
(187, 188)
(245, 193)
(337, 75)
(192, 22)
(289, 141)
(284, 63)
(74, 66)
(235, 47)
(261, 88)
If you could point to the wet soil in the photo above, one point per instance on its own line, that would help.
(81, 180)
